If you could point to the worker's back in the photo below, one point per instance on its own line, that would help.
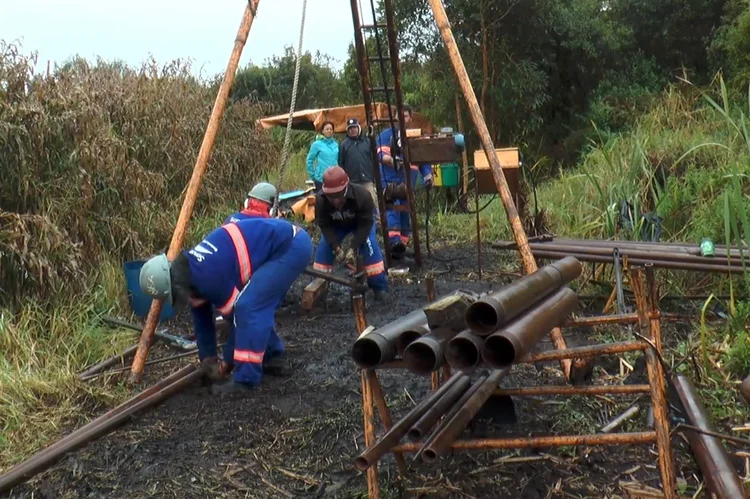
(223, 262)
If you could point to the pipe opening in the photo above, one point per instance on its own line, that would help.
(361, 463)
(462, 353)
(429, 456)
(482, 318)
(366, 353)
(420, 358)
(414, 434)
(499, 351)
(405, 339)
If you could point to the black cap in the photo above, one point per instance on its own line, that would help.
(352, 122)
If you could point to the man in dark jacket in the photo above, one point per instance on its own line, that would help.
(355, 157)
(341, 209)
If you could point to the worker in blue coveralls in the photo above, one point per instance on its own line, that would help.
(343, 209)
(257, 204)
(241, 269)
(392, 171)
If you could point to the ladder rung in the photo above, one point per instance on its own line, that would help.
(373, 26)
(376, 59)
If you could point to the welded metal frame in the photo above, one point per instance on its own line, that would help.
(647, 317)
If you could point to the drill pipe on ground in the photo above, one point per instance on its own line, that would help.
(644, 255)
(379, 345)
(438, 409)
(515, 340)
(100, 426)
(465, 414)
(410, 336)
(372, 454)
(464, 352)
(698, 267)
(426, 354)
(497, 309)
(449, 416)
(718, 472)
(682, 248)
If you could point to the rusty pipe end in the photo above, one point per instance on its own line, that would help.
(570, 268)
(464, 351)
(484, 316)
(371, 350)
(500, 350)
(429, 455)
(410, 336)
(423, 356)
(362, 463)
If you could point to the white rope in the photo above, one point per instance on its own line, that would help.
(288, 137)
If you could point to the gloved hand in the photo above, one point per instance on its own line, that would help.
(428, 181)
(351, 256)
(339, 255)
(398, 164)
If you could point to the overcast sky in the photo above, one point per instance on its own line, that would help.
(202, 30)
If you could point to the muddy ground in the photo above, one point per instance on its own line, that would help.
(298, 436)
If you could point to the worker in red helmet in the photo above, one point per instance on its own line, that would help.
(343, 209)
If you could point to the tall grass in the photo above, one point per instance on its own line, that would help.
(95, 159)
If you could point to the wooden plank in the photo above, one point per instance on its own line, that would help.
(314, 292)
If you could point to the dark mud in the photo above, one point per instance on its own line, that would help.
(298, 436)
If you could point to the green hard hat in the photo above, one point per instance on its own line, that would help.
(155, 279)
(264, 192)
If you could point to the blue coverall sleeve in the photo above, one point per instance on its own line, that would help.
(425, 169)
(205, 330)
(314, 151)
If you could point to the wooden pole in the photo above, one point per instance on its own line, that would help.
(441, 19)
(199, 169)
(464, 154)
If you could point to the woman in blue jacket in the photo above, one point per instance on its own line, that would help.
(324, 152)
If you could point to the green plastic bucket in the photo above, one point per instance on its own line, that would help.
(447, 175)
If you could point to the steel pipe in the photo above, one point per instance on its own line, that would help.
(356, 286)
(105, 364)
(703, 267)
(465, 414)
(100, 426)
(410, 336)
(379, 345)
(718, 472)
(585, 352)
(438, 409)
(426, 354)
(507, 346)
(464, 351)
(373, 453)
(497, 309)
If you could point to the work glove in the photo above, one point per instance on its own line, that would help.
(339, 255)
(428, 181)
(351, 256)
(398, 164)
(215, 368)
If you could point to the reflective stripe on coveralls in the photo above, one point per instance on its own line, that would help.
(370, 251)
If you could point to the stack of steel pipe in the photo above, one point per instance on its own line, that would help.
(503, 326)
(512, 320)
(663, 255)
(381, 345)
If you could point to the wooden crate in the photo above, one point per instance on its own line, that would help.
(432, 150)
(510, 162)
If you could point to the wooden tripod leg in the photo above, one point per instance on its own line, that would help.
(385, 415)
(429, 283)
(658, 389)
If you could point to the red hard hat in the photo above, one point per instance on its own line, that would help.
(335, 180)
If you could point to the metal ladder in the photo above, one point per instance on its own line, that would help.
(375, 124)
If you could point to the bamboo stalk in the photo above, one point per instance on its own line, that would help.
(193, 187)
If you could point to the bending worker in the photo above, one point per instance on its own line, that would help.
(392, 171)
(258, 203)
(242, 269)
(342, 209)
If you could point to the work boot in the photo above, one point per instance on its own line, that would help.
(380, 295)
(214, 369)
(232, 389)
(277, 366)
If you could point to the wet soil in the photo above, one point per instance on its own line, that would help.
(298, 436)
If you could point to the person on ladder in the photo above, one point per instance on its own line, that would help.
(242, 269)
(343, 209)
(392, 171)
(257, 204)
